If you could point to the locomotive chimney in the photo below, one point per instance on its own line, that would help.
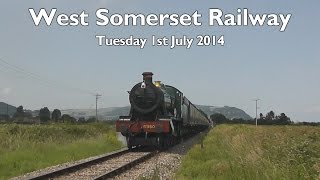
(147, 77)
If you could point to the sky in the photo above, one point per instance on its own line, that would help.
(62, 67)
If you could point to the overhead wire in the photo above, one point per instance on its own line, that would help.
(26, 75)
(40, 78)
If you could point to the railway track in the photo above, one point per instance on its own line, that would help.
(104, 167)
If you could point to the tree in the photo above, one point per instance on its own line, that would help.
(261, 116)
(44, 114)
(56, 115)
(82, 120)
(28, 115)
(218, 118)
(68, 118)
(283, 119)
(91, 119)
(270, 115)
(262, 120)
(19, 113)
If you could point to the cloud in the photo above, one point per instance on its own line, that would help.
(5, 91)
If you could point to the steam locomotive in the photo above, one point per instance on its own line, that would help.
(159, 115)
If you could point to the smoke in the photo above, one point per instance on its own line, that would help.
(314, 109)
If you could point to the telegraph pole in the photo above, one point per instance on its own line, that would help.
(256, 100)
(7, 112)
(97, 97)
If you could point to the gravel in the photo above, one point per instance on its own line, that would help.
(57, 167)
(162, 165)
(101, 168)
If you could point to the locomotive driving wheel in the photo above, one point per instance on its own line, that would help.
(129, 143)
(160, 142)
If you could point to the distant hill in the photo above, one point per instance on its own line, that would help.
(229, 112)
(6, 108)
(113, 113)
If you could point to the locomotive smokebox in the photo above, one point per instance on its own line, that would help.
(145, 97)
(147, 77)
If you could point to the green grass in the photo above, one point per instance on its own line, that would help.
(249, 152)
(25, 148)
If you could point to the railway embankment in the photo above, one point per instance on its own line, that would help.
(249, 152)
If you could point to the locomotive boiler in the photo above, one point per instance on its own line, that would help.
(159, 115)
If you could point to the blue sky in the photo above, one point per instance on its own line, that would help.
(282, 69)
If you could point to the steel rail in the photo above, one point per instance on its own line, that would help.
(81, 165)
(125, 167)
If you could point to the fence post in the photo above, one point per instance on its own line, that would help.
(201, 139)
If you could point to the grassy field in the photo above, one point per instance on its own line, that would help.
(247, 152)
(25, 148)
